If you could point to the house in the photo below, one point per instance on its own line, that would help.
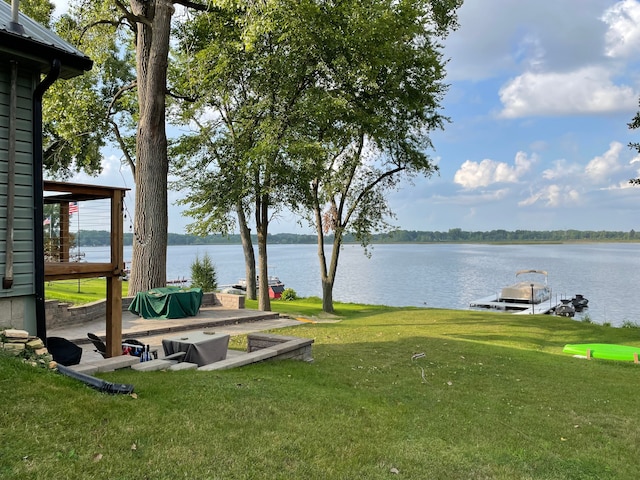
(28, 52)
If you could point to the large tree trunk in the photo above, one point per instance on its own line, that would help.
(262, 225)
(327, 275)
(249, 255)
(149, 258)
(329, 279)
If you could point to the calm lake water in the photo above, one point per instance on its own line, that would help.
(444, 276)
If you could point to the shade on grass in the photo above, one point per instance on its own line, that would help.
(492, 397)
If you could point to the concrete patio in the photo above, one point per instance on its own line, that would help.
(152, 331)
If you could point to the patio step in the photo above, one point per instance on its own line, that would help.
(106, 364)
(154, 365)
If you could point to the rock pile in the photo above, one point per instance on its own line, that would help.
(30, 349)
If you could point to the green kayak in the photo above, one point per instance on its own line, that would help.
(606, 351)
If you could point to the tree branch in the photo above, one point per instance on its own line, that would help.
(180, 97)
(133, 18)
(193, 5)
(123, 147)
(131, 86)
(113, 23)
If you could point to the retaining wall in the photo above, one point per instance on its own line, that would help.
(58, 314)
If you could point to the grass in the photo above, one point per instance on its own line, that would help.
(493, 397)
(79, 292)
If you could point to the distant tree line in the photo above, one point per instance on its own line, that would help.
(99, 238)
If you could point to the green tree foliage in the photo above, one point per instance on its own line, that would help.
(203, 274)
(74, 119)
(246, 81)
(38, 10)
(288, 295)
(310, 104)
(125, 102)
(377, 99)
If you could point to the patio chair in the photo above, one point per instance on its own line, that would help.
(101, 348)
(130, 346)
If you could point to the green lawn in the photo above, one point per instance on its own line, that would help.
(493, 397)
(79, 291)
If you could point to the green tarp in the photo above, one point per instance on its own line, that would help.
(168, 302)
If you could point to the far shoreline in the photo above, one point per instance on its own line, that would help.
(93, 238)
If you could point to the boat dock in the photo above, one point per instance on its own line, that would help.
(491, 302)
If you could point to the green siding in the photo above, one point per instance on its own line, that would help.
(23, 243)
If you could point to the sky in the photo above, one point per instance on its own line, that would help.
(539, 100)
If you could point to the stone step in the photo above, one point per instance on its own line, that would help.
(106, 364)
(183, 366)
(153, 365)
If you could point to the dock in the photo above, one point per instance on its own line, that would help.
(491, 302)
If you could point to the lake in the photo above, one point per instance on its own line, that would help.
(434, 275)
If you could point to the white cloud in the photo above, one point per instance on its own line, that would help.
(600, 169)
(561, 169)
(474, 175)
(623, 34)
(553, 196)
(602, 173)
(587, 90)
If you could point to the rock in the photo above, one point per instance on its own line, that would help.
(35, 344)
(13, 334)
(13, 347)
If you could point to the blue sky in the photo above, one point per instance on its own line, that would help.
(540, 97)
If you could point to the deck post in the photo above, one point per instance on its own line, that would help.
(114, 281)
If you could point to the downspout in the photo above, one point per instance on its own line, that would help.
(7, 280)
(38, 196)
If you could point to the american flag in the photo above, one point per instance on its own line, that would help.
(73, 207)
(47, 221)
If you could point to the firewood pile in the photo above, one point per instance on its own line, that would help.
(31, 349)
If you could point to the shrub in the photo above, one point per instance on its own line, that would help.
(203, 274)
(289, 294)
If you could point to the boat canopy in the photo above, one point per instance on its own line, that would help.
(541, 272)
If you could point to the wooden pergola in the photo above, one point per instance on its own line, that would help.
(63, 194)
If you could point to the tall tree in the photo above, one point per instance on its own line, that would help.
(382, 75)
(246, 86)
(142, 26)
(341, 94)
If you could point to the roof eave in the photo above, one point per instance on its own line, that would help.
(72, 64)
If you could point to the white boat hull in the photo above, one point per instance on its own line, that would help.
(493, 302)
(525, 297)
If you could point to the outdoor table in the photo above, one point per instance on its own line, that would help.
(167, 302)
(201, 348)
